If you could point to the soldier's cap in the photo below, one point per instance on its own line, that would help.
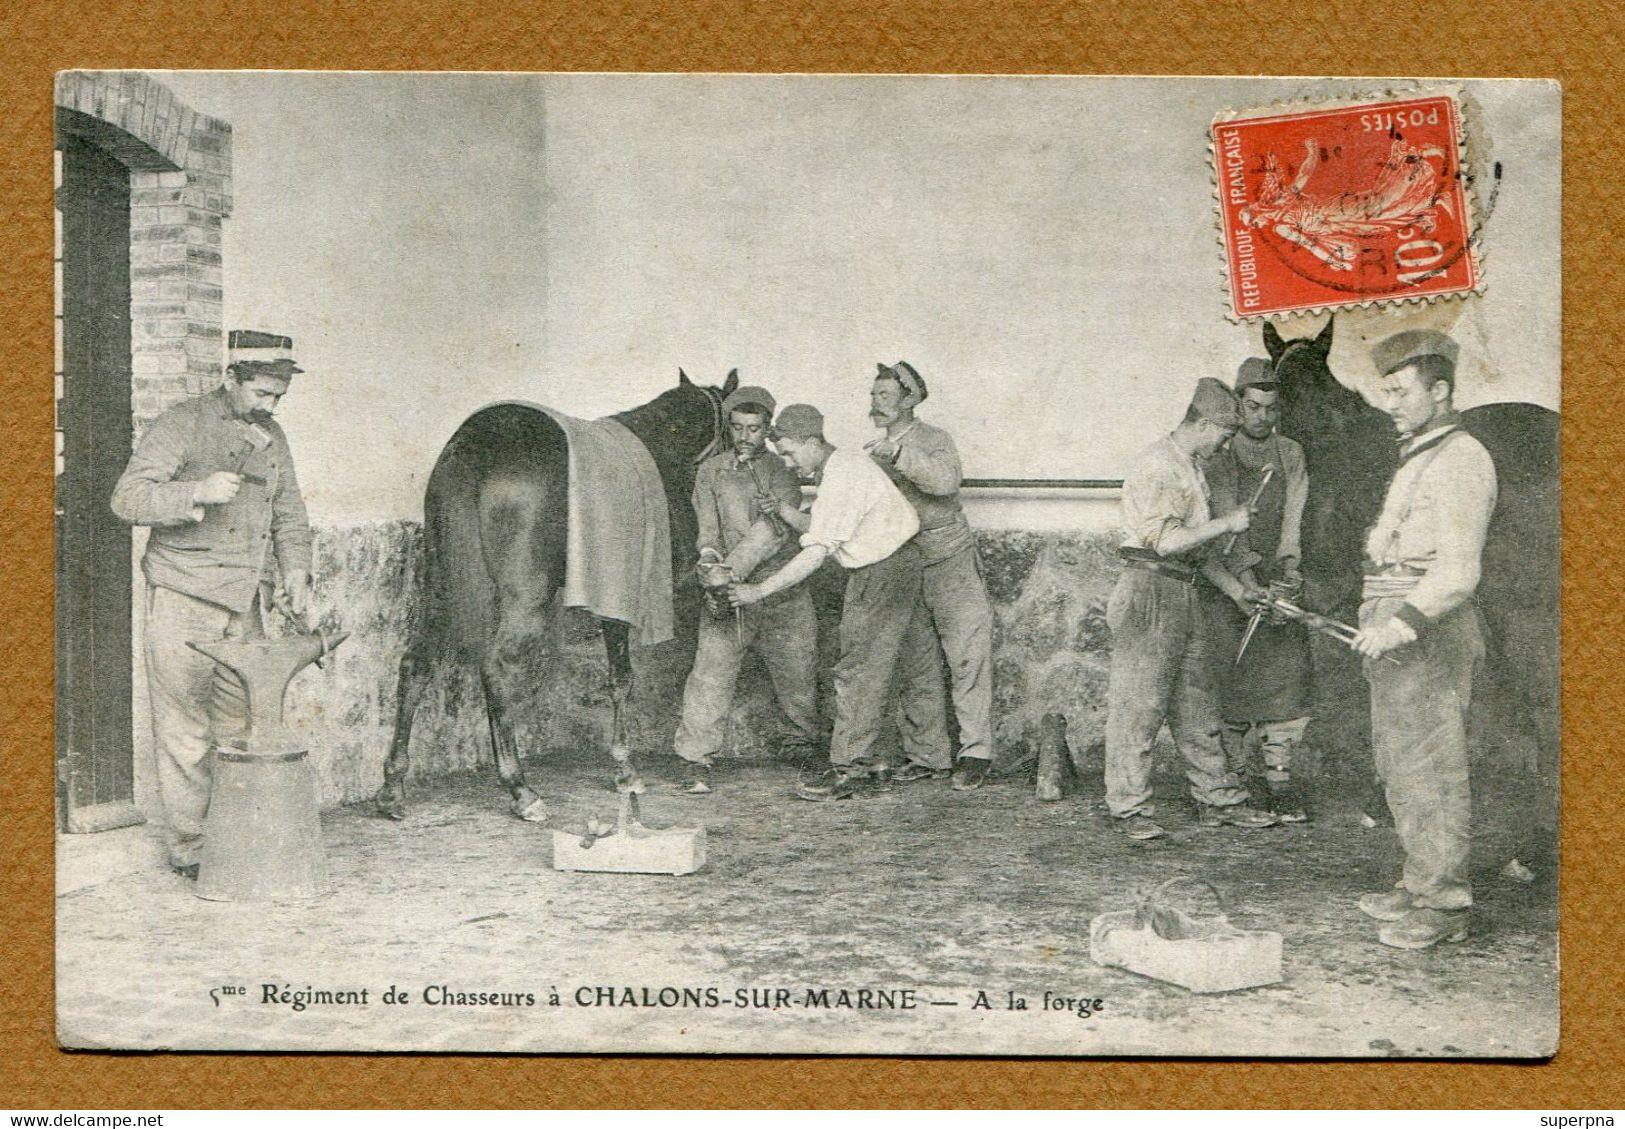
(913, 384)
(799, 421)
(1216, 403)
(270, 353)
(1255, 372)
(749, 394)
(1412, 344)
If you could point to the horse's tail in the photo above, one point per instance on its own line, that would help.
(460, 613)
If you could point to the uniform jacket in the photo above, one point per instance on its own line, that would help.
(725, 492)
(1434, 520)
(215, 553)
(928, 472)
(1232, 475)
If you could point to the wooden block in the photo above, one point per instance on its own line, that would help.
(671, 850)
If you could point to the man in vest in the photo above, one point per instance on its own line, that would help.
(737, 493)
(213, 478)
(861, 520)
(1268, 691)
(1160, 670)
(1419, 635)
(923, 463)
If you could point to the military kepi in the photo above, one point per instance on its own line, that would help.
(749, 394)
(269, 351)
(1215, 403)
(799, 421)
(1413, 344)
(912, 383)
(1255, 372)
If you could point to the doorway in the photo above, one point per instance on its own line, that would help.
(95, 758)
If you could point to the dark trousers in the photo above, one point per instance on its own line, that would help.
(882, 611)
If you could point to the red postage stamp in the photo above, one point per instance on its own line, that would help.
(1326, 208)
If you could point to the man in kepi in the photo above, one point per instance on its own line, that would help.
(214, 479)
(1160, 670)
(737, 495)
(861, 520)
(1419, 635)
(924, 464)
(1266, 693)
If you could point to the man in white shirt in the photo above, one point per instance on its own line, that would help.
(1420, 638)
(861, 520)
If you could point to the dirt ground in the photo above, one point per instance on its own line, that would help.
(908, 887)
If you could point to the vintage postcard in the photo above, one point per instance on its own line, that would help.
(808, 564)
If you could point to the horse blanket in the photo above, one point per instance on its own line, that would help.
(617, 558)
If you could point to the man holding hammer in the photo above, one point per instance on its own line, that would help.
(1266, 690)
(213, 478)
(1160, 671)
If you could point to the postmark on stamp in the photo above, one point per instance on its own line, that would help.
(1328, 207)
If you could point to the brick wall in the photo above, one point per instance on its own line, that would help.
(180, 195)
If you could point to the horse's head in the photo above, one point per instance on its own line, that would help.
(1348, 446)
(685, 423)
(1303, 376)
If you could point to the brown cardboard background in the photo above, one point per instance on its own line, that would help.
(1572, 42)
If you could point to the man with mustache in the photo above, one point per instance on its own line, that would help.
(737, 493)
(1420, 637)
(213, 478)
(923, 463)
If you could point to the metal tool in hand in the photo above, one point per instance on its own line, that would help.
(1258, 492)
(1314, 621)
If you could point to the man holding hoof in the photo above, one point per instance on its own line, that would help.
(737, 495)
(861, 520)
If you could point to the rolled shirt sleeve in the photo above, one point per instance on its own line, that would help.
(146, 493)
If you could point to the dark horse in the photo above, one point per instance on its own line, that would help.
(1351, 453)
(494, 528)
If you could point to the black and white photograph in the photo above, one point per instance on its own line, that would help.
(807, 564)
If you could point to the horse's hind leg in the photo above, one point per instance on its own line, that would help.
(414, 677)
(620, 690)
(520, 641)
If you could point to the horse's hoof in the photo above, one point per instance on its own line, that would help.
(390, 807)
(630, 785)
(531, 811)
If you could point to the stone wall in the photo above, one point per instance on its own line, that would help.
(1049, 593)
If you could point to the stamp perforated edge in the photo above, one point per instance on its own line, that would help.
(1474, 225)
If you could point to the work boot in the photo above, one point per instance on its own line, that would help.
(915, 770)
(1235, 815)
(1139, 828)
(832, 784)
(185, 870)
(1286, 801)
(1423, 928)
(1390, 905)
(970, 773)
(697, 778)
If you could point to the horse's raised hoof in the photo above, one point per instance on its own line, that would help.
(529, 807)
